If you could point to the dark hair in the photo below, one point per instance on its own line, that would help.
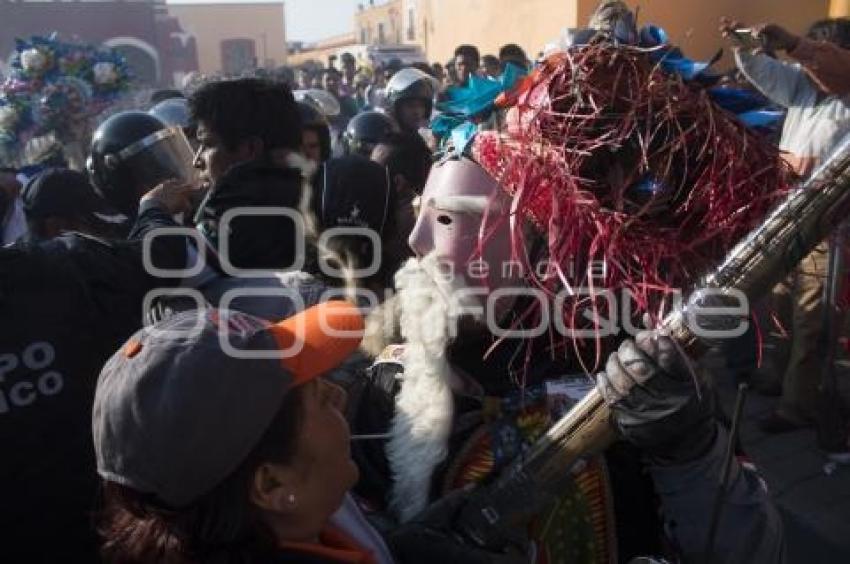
(408, 155)
(222, 526)
(836, 30)
(237, 110)
(512, 52)
(468, 51)
(324, 134)
(489, 60)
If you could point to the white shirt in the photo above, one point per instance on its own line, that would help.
(815, 122)
(14, 225)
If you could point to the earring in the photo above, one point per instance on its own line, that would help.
(290, 499)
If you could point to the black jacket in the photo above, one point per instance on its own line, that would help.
(66, 305)
(255, 241)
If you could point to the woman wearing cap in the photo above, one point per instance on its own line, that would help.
(218, 441)
(212, 454)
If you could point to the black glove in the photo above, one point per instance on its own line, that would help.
(658, 400)
(430, 538)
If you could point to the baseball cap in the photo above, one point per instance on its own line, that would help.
(176, 410)
(60, 192)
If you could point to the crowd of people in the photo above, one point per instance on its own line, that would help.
(233, 337)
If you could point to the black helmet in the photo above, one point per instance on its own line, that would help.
(364, 131)
(309, 114)
(132, 152)
(410, 84)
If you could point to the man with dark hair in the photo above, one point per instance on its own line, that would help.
(244, 120)
(492, 68)
(349, 71)
(410, 99)
(304, 78)
(467, 61)
(251, 136)
(347, 105)
(513, 53)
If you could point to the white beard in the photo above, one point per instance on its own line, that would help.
(424, 407)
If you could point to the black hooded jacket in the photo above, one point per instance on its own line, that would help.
(255, 241)
(66, 304)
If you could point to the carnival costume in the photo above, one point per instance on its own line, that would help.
(606, 155)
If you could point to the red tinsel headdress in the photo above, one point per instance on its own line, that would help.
(616, 162)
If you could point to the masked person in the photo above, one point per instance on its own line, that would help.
(410, 98)
(500, 313)
(448, 384)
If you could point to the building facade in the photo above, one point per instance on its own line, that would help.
(441, 25)
(381, 24)
(320, 51)
(235, 37)
(156, 47)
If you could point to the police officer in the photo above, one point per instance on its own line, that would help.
(131, 153)
(365, 131)
(410, 98)
(67, 304)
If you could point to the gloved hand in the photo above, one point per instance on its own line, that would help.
(659, 403)
(430, 537)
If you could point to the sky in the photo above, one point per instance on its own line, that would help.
(307, 20)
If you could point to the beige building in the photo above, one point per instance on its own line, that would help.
(380, 24)
(321, 50)
(441, 25)
(233, 37)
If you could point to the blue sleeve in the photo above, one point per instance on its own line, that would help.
(750, 528)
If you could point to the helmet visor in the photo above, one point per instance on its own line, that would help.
(161, 156)
(406, 80)
(321, 101)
